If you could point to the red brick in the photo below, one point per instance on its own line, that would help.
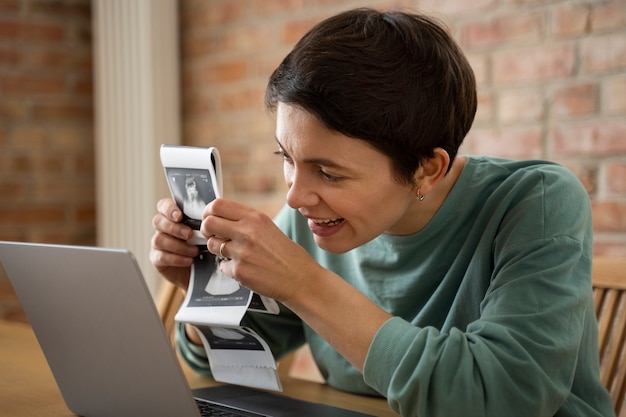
(195, 45)
(13, 110)
(7, 159)
(84, 164)
(576, 100)
(524, 3)
(520, 105)
(587, 173)
(189, 8)
(238, 156)
(248, 39)
(29, 137)
(260, 125)
(14, 235)
(451, 7)
(535, 63)
(293, 30)
(26, 31)
(10, 6)
(520, 27)
(616, 176)
(9, 29)
(244, 99)
(480, 66)
(192, 76)
(258, 183)
(215, 14)
(197, 104)
(44, 111)
(615, 94)
(276, 7)
(85, 214)
(60, 189)
(603, 54)
(13, 190)
(265, 65)
(202, 131)
(514, 143)
(69, 60)
(596, 137)
(9, 57)
(30, 163)
(571, 20)
(46, 120)
(226, 72)
(27, 85)
(31, 216)
(607, 16)
(82, 86)
(64, 233)
(609, 216)
(52, 9)
(73, 138)
(611, 248)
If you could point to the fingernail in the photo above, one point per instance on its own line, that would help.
(176, 215)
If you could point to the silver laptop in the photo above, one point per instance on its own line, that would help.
(104, 341)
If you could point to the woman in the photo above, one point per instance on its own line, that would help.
(452, 286)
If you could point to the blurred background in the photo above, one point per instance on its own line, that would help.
(89, 90)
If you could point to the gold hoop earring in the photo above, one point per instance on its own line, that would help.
(419, 195)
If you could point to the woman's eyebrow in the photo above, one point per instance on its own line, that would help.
(319, 161)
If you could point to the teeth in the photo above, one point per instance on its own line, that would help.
(330, 222)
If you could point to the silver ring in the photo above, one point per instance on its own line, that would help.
(222, 249)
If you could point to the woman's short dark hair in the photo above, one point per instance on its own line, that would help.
(395, 80)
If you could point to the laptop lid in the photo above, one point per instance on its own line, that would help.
(104, 341)
(99, 330)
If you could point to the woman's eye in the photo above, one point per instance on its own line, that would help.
(282, 154)
(328, 177)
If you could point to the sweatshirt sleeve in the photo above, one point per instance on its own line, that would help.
(195, 356)
(520, 356)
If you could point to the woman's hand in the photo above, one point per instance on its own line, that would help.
(262, 258)
(170, 253)
(266, 261)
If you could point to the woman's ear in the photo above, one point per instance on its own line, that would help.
(431, 171)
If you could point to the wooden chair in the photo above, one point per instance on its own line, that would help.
(168, 301)
(609, 293)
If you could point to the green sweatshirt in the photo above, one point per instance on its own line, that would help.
(492, 302)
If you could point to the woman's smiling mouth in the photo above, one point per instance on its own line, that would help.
(326, 227)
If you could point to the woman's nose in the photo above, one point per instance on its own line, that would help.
(300, 192)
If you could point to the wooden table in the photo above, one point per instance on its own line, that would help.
(27, 387)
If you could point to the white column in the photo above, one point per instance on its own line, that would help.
(136, 110)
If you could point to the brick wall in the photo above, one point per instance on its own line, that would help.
(551, 74)
(552, 84)
(46, 122)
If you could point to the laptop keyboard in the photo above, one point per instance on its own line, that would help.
(214, 410)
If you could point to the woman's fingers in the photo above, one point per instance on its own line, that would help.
(163, 224)
(169, 209)
(168, 218)
(170, 253)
